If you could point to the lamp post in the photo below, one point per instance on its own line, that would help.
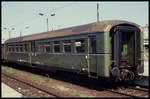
(9, 31)
(41, 14)
(3, 40)
(97, 12)
(21, 30)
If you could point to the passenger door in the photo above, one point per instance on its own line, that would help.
(32, 51)
(92, 57)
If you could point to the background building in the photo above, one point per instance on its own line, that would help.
(146, 41)
(145, 35)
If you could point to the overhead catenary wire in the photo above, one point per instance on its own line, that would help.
(31, 19)
(46, 12)
(35, 17)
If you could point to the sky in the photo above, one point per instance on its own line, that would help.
(20, 15)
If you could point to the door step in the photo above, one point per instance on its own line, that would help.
(92, 75)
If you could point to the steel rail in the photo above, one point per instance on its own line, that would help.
(51, 93)
(140, 89)
(130, 95)
(121, 93)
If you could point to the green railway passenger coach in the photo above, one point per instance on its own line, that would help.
(110, 49)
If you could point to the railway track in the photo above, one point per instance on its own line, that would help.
(131, 91)
(30, 85)
(100, 88)
(138, 88)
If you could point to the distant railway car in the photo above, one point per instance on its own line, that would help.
(110, 49)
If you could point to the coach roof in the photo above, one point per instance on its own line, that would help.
(76, 30)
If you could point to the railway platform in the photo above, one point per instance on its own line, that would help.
(8, 92)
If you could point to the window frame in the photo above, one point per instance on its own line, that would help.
(54, 45)
(21, 50)
(26, 48)
(47, 44)
(82, 44)
(16, 48)
(67, 43)
(40, 47)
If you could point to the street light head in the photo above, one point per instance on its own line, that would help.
(5, 28)
(13, 29)
(53, 14)
(27, 27)
(41, 14)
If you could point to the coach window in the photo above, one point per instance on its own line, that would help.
(41, 47)
(80, 46)
(67, 46)
(25, 48)
(17, 49)
(47, 47)
(21, 48)
(9, 48)
(56, 46)
(13, 49)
